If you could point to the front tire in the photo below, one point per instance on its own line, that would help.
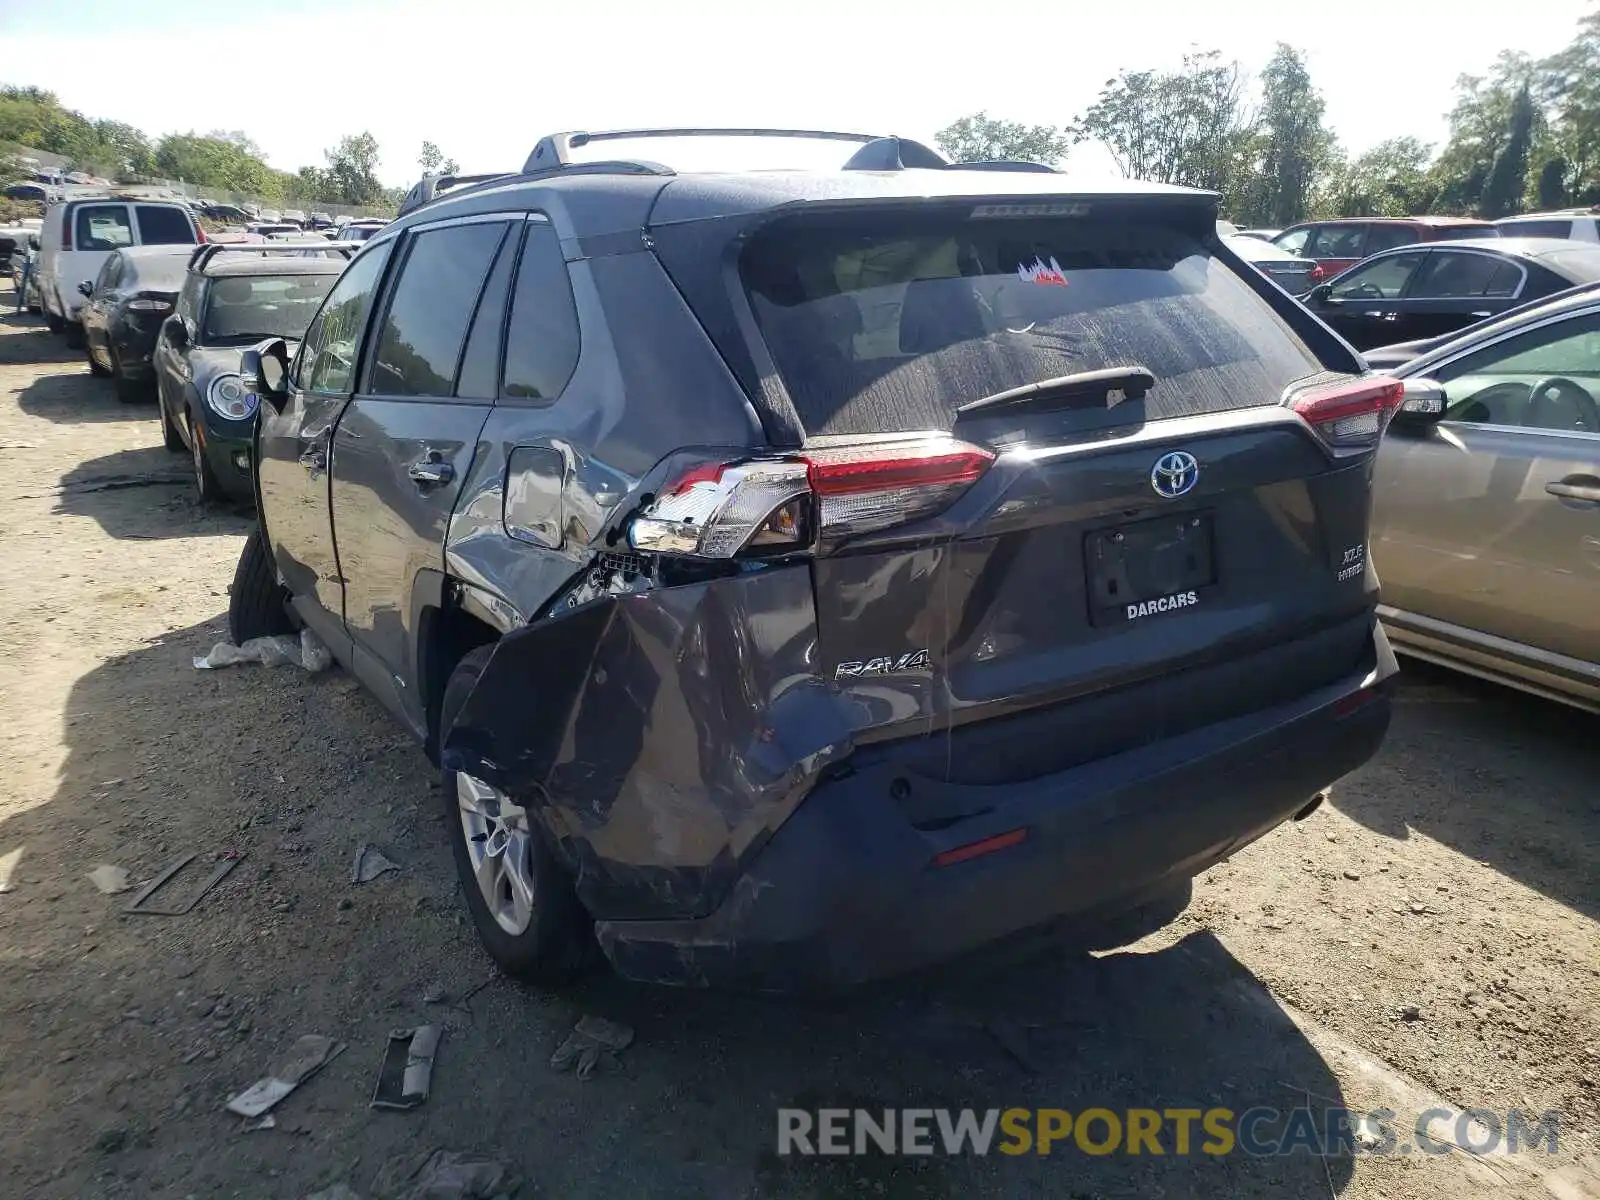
(257, 605)
(170, 438)
(207, 487)
(95, 368)
(74, 332)
(522, 902)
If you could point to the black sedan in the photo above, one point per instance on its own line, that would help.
(235, 296)
(127, 302)
(1436, 288)
(1386, 358)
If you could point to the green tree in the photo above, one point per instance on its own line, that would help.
(1389, 180)
(1186, 126)
(1295, 145)
(1480, 126)
(1550, 190)
(352, 172)
(433, 162)
(980, 137)
(217, 163)
(1571, 80)
(1508, 176)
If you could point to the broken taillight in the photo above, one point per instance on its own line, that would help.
(1351, 414)
(768, 506)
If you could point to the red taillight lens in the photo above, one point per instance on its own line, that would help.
(826, 493)
(66, 232)
(199, 236)
(877, 485)
(1350, 415)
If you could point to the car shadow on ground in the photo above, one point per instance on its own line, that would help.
(145, 493)
(62, 398)
(38, 346)
(132, 1032)
(1534, 815)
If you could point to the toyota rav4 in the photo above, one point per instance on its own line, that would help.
(802, 576)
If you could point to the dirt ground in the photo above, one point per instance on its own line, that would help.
(1456, 874)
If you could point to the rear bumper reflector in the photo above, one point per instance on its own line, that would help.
(988, 845)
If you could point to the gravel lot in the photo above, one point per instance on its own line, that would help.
(1456, 874)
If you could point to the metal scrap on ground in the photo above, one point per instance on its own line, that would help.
(369, 864)
(446, 1175)
(309, 1055)
(140, 905)
(407, 1067)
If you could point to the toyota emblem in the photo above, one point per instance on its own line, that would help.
(1174, 474)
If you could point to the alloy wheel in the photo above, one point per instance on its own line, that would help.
(499, 847)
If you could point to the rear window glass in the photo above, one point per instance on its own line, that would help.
(102, 227)
(886, 324)
(1455, 233)
(252, 307)
(160, 225)
(160, 274)
(1550, 229)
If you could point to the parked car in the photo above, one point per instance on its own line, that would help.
(266, 229)
(294, 216)
(231, 299)
(1423, 292)
(124, 307)
(360, 230)
(1290, 273)
(755, 661)
(1487, 503)
(1341, 243)
(270, 216)
(1386, 358)
(38, 193)
(228, 214)
(79, 234)
(24, 268)
(321, 220)
(1265, 235)
(1579, 224)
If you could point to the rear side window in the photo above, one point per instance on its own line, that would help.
(888, 323)
(1337, 241)
(101, 227)
(1456, 274)
(542, 339)
(480, 364)
(163, 226)
(1387, 237)
(419, 342)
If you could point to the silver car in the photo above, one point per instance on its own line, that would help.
(1486, 529)
(1289, 271)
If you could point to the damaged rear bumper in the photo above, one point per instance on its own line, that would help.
(848, 891)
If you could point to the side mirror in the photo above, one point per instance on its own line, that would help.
(86, 288)
(1319, 293)
(267, 366)
(1421, 407)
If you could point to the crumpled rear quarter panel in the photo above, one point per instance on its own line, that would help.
(660, 737)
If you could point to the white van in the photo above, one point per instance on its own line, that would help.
(80, 233)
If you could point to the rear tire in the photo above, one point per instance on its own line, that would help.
(257, 605)
(558, 942)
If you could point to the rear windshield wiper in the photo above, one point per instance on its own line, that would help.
(1109, 387)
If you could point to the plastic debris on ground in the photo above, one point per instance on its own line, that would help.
(446, 1175)
(594, 1042)
(8, 868)
(369, 864)
(109, 879)
(305, 651)
(308, 1056)
(407, 1067)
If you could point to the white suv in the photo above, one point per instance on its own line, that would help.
(1576, 224)
(81, 233)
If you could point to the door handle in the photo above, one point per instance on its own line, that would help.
(1479, 314)
(1576, 487)
(431, 471)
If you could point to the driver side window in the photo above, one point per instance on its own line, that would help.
(1546, 378)
(1384, 279)
(327, 359)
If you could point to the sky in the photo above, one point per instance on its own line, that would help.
(484, 79)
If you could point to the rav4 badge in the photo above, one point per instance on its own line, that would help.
(916, 660)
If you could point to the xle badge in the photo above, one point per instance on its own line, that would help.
(915, 660)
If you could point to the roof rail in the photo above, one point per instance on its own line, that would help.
(429, 187)
(1004, 164)
(206, 251)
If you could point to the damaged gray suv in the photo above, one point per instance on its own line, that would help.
(805, 576)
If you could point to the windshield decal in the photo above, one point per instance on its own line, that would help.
(1042, 272)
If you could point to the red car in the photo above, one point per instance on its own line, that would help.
(1345, 241)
